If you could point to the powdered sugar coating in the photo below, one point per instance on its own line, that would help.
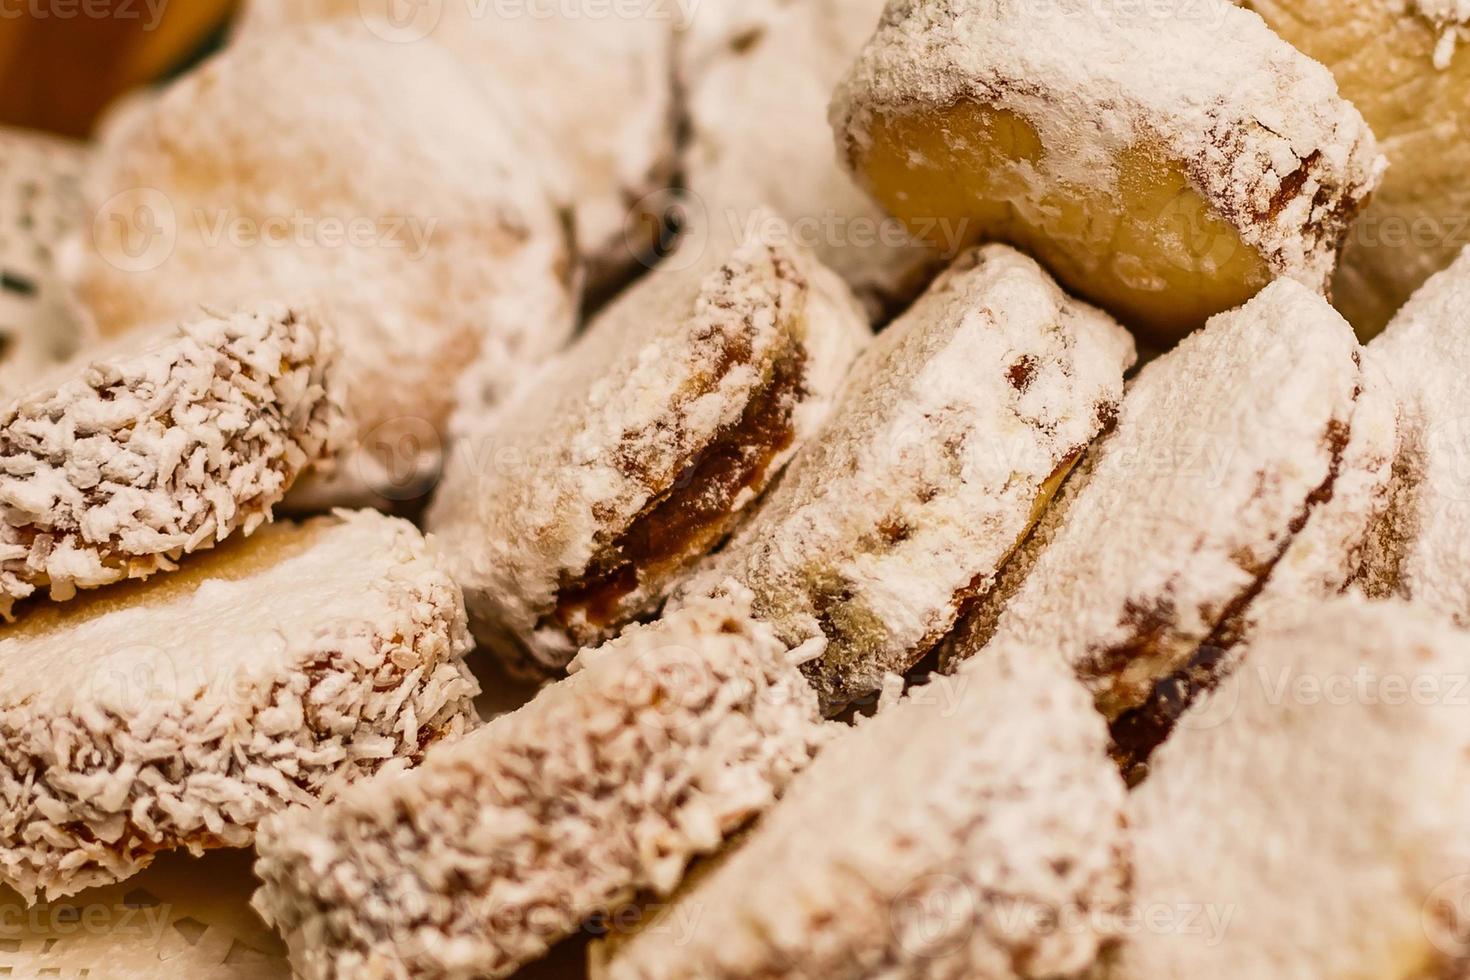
(326, 168)
(40, 204)
(1420, 543)
(181, 714)
(602, 434)
(757, 77)
(595, 82)
(657, 746)
(1259, 128)
(927, 476)
(119, 463)
(1221, 449)
(930, 842)
(1318, 811)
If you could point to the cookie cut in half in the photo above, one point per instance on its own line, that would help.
(1158, 543)
(1165, 161)
(577, 507)
(234, 186)
(1312, 825)
(1402, 63)
(938, 839)
(757, 76)
(40, 205)
(660, 744)
(178, 714)
(183, 917)
(1418, 546)
(949, 439)
(118, 463)
(594, 83)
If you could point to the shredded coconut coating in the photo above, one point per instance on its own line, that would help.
(660, 744)
(937, 840)
(929, 473)
(1221, 450)
(595, 84)
(326, 168)
(181, 714)
(1314, 823)
(1419, 545)
(40, 204)
(1259, 128)
(757, 76)
(603, 434)
(119, 463)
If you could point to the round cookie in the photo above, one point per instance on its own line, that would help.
(179, 714)
(125, 459)
(948, 440)
(1316, 817)
(1222, 449)
(594, 81)
(1164, 160)
(757, 76)
(576, 508)
(979, 839)
(658, 745)
(372, 182)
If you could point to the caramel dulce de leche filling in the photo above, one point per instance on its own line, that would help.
(691, 516)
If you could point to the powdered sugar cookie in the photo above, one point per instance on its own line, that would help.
(1314, 828)
(1402, 63)
(1163, 160)
(595, 81)
(950, 437)
(927, 843)
(179, 714)
(757, 77)
(325, 168)
(120, 462)
(658, 745)
(1223, 448)
(40, 204)
(575, 509)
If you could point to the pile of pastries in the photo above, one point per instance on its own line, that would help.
(746, 489)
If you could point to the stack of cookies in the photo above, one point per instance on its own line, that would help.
(805, 489)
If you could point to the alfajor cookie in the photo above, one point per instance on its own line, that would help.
(1222, 450)
(372, 182)
(756, 78)
(578, 506)
(933, 841)
(1164, 160)
(118, 463)
(1403, 64)
(949, 439)
(660, 744)
(40, 205)
(1310, 824)
(594, 81)
(179, 714)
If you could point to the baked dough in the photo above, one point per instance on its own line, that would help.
(1164, 160)
(1402, 63)
(179, 714)
(125, 459)
(1223, 447)
(577, 508)
(1313, 825)
(327, 169)
(980, 838)
(658, 745)
(950, 437)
